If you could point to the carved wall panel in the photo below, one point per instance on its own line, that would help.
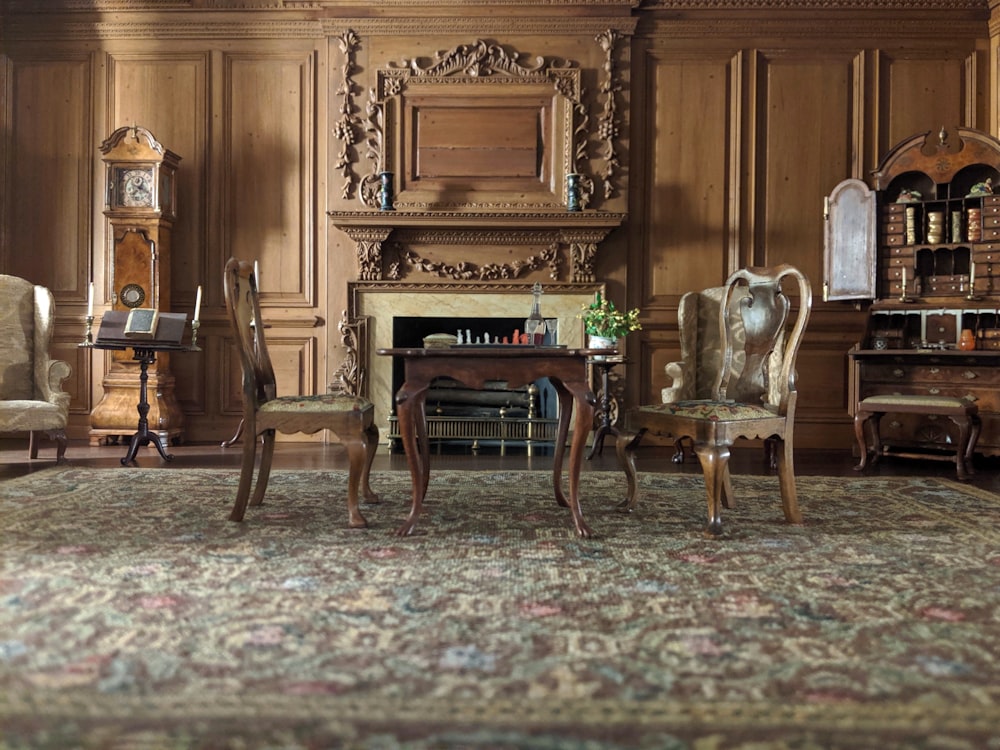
(45, 201)
(687, 236)
(270, 180)
(799, 167)
(924, 91)
(475, 128)
(167, 94)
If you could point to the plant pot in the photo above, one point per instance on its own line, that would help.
(601, 342)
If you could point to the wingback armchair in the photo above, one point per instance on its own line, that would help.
(31, 395)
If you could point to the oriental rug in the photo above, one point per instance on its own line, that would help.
(134, 615)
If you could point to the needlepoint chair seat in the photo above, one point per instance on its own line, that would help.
(348, 417)
(753, 395)
(31, 395)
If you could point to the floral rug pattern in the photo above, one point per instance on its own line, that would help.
(133, 614)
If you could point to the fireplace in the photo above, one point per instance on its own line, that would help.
(374, 306)
(493, 417)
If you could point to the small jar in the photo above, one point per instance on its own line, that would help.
(967, 341)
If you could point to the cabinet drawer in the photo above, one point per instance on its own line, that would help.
(987, 253)
(991, 233)
(991, 220)
(960, 377)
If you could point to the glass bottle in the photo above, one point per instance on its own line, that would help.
(534, 326)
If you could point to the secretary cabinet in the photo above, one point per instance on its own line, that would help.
(921, 249)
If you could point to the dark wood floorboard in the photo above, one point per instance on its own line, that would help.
(746, 460)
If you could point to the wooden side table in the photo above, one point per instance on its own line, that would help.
(605, 422)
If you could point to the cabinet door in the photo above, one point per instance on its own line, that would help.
(849, 242)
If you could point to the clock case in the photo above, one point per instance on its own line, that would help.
(140, 206)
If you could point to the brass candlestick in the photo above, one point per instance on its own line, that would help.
(88, 336)
(195, 325)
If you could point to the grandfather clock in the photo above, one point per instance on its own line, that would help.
(140, 202)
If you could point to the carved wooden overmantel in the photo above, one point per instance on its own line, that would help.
(388, 242)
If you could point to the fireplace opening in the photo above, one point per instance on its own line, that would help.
(494, 418)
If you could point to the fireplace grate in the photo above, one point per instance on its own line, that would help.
(526, 431)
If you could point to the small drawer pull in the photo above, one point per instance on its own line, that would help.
(898, 373)
(970, 375)
(934, 391)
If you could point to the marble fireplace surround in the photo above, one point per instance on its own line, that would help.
(367, 326)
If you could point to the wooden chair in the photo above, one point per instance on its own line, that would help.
(349, 417)
(749, 399)
(31, 396)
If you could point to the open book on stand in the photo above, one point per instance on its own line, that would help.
(141, 323)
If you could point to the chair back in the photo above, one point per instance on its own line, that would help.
(759, 346)
(243, 305)
(24, 338)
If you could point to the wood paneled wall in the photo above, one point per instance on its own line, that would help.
(735, 123)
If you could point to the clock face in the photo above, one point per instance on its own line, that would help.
(135, 188)
(132, 295)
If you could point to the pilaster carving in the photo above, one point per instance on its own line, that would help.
(350, 376)
(348, 125)
(607, 125)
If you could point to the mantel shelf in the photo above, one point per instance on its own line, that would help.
(527, 220)
(568, 238)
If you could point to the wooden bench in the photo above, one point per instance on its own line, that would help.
(962, 412)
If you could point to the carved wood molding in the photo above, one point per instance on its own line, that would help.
(942, 30)
(31, 29)
(476, 64)
(607, 124)
(812, 5)
(564, 235)
(348, 125)
(495, 25)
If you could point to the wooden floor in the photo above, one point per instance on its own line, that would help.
(747, 460)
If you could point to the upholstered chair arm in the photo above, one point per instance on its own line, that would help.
(52, 373)
(682, 383)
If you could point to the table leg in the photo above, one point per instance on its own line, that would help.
(143, 436)
(413, 433)
(562, 432)
(605, 427)
(580, 397)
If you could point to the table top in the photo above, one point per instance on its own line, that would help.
(491, 351)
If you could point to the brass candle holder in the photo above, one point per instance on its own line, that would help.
(195, 325)
(88, 336)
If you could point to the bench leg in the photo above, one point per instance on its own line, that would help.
(866, 431)
(977, 426)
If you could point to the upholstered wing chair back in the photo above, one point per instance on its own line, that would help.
(698, 375)
(31, 395)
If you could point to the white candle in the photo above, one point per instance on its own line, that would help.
(972, 275)
(197, 303)
(904, 279)
(256, 273)
(90, 301)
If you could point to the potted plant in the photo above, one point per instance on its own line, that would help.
(605, 323)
